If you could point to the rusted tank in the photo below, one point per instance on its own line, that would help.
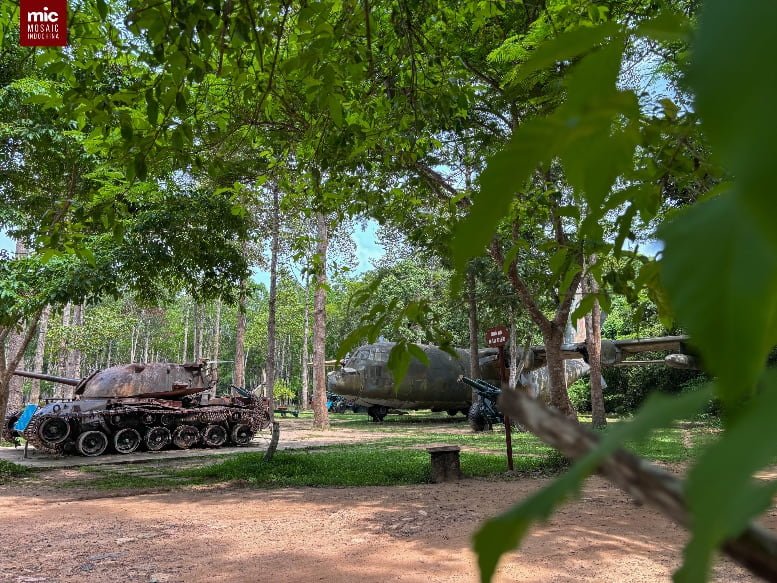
(141, 406)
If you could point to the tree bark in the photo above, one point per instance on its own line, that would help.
(62, 390)
(239, 378)
(320, 414)
(305, 352)
(15, 384)
(552, 330)
(40, 351)
(272, 300)
(216, 347)
(474, 335)
(755, 548)
(185, 351)
(593, 341)
(559, 397)
(9, 360)
(74, 353)
(197, 348)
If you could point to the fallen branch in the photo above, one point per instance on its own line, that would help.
(754, 549)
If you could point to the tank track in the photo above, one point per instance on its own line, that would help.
(142, 417)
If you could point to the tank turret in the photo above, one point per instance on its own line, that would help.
(132, 406)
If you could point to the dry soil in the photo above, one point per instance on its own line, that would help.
(417, 534)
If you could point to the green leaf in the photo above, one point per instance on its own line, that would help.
(126, 128)
(503, 533)
(721, 274)
(667, 26)
(139, 166)
(722, 494)
(102, 8)
(399, 362)
(506, 173)
(335, 109)
(736, 81)
(418, 353)
(558, 260)
(566, 46)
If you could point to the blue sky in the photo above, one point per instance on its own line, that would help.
(6, 243)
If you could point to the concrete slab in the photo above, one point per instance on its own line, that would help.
(40, 460)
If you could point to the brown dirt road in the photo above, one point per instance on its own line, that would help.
(415, 534)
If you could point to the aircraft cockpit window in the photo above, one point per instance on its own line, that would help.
(379, 355)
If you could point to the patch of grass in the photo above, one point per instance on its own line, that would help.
(354, 466)
(9, 470)
(665, 445)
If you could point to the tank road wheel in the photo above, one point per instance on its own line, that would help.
(477, 418)
(214, 436)
(126, 440)
(157, 438)
(185, 436)
(54, 430)
(148, 419)
(242, 434)
(91, 443)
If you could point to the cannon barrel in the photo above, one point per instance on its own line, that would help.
(484, 388)
(47, 377)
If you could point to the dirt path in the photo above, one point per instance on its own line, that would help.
(408, 534)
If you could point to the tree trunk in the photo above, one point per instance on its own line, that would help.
(593, 341)
(146, 342)
(305, 353)
(271, 307)
(74, 354)
(15, 384)
(10, 359)
(320, 415)
(197, 347)
(239, 377)
(61, 391)
(559, 398)
(134, 343)
(185, 352)
(40, 350)
(216, 347)
(474, 335)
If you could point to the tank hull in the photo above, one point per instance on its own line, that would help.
(95, 426)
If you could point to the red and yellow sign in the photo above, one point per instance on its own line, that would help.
(497, 336)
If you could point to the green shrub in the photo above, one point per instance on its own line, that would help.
(9, 470)
(580, 395)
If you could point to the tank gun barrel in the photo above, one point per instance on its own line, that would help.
(47, 377)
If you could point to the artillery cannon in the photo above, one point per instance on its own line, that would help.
(139, 405)
(483, 412)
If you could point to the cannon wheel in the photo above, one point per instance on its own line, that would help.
(377, 412)
(126, 440)
(91, 443)
(477, 418)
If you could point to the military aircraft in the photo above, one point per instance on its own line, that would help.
(365, 380)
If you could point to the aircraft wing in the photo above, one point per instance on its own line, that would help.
(615, 352)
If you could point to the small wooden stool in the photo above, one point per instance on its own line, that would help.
(445, 463)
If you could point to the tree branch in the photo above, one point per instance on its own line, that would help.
(755, 548)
